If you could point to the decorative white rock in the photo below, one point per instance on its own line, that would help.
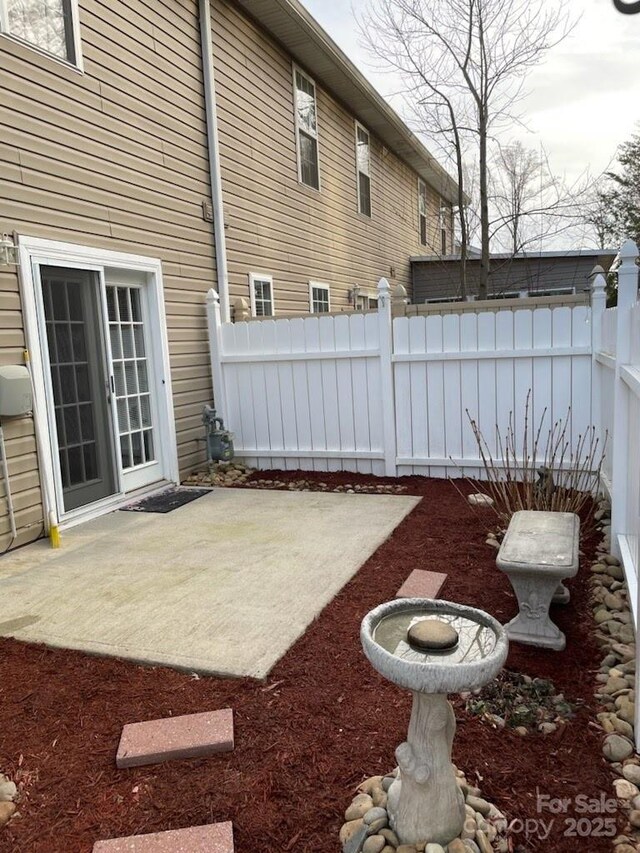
(425, 803)
(538, 551)
(480, 499)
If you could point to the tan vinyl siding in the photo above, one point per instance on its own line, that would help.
(114, 158)
(278, 226)
(18, 432)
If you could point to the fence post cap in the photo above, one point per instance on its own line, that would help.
(598, 281)
(597, 270)
(212, 295)
(384, 286)
(628, 250)
(399, 295)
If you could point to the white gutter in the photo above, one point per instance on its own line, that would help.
(213, 145)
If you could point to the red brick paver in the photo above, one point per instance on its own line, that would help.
(422, 584)
(189, 736)
(214, 838)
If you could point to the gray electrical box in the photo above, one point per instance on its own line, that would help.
(15, 391)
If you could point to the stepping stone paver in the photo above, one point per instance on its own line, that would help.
(422, 584)
(188, 736)
(213, 838)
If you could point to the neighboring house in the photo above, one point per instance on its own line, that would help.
(325, 189)
(113, 167)
(437, 279)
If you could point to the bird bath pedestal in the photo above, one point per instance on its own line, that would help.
(431, 648)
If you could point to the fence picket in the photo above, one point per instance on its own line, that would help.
(417, 411)
(470, 388)
(486, 415)
(403, 399)
(300, 387)
(452, 383)
(523, 369)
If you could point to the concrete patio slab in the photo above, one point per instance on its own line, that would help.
(213, 838)
(186, 736)
(223, 585)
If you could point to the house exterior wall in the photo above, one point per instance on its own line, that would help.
(280, 227)
(113, 158)
(440, 279)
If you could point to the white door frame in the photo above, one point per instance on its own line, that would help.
(36, 252)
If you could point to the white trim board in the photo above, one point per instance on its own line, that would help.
(35, 252)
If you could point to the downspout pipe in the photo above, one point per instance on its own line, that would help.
(213, 145)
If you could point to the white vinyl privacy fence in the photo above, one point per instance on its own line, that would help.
(368, 393)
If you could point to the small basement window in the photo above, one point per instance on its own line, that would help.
(261, 287)
(319, 299)
(48, 25)
(363, 164)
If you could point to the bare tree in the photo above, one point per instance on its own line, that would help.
(529, 205)
(464, 64)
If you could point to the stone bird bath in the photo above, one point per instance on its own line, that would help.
(431, 648)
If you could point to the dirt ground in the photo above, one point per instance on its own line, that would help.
(321, 723)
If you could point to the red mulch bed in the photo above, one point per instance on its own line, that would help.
(322, 722)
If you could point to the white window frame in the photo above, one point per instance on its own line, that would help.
(423, 184)
(34, 253)
(253, 278)
(442, 222)
(361, 127)
(318, 285)
(78, 65)
(297, 70)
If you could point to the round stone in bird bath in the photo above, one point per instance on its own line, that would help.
(431, 648)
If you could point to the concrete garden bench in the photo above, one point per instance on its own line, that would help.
(539, 550)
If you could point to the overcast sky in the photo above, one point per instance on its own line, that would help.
(584, 100)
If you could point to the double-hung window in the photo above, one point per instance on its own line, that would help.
(443, 229)
(261, 287)
(306, 114)
(363, 165)
(422, 211)
(48, 25)
(319, 300)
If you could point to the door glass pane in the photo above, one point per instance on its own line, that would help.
(143, 383)
(136, 311)
(127, 341)
(78, 380)
(133, 402)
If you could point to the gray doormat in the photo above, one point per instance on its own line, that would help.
(166, 501)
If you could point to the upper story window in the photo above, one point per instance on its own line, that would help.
(443, 229)
(261, 287)
(422, 211)
(48, 25)
(319, 300)
(445, 213)
(306, 129)
(363, 161)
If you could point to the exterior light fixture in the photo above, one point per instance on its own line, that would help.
(8, 251)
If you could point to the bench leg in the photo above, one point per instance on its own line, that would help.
(532, 625)
(561, 595)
